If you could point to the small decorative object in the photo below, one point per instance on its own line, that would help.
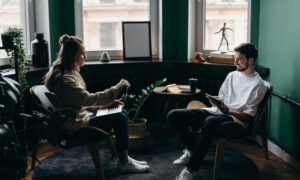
(198, 57)
(39, 49)
(105, 57)
(193, 84)
(223, 30)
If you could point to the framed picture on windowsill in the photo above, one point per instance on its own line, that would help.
(137, 40)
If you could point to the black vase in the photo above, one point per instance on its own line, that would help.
(39, 49)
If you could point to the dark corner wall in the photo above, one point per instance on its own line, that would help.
(279, 50)
(62, 21)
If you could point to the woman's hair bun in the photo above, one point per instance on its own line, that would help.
(63, 39)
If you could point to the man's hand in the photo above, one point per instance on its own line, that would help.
(219, 104)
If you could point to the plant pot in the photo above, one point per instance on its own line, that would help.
(7, 41)
(138, 134)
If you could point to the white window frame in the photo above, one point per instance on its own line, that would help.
(118, 54)
(200, 26)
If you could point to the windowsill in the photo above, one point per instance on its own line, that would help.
(41, 71)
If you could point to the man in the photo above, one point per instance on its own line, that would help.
(240, 95)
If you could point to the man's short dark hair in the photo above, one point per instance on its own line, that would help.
(247, 49)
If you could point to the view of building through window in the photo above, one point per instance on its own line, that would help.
(10, 16)
(102, 21)
(232, 12)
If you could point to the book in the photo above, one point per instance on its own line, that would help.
(173, 88)
(219, 54)
(220, 60)
(177, 89)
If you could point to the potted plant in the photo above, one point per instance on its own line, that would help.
(13, 161)
(138, 126)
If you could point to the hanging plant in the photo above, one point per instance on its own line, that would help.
(17, 51)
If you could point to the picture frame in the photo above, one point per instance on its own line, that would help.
(136, 40)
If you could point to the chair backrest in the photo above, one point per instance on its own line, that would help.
(261, 108)
(40, 98)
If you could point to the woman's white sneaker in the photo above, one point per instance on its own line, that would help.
(184, 175)
(131, 166)
(184, 158)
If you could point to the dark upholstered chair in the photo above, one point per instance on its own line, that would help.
(234, 132)
(83, 136)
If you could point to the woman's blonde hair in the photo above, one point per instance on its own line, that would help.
(69, 45)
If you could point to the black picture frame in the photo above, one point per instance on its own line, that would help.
(137, 40)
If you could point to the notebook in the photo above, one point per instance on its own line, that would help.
(114, 109)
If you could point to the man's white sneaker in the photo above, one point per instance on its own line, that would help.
(138, 162)
(184, 175)
(131, 166)
(184, 158)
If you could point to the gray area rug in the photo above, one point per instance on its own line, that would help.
(76, 163)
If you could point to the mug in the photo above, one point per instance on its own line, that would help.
(193, 84)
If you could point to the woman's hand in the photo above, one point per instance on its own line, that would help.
(124, 83)
(115, 103)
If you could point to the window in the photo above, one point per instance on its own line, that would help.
(235, 13)
(108, 36)
(99, 23)
(15, 13)
(10, 16)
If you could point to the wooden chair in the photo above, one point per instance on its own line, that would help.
(234, 132)
(83, 136)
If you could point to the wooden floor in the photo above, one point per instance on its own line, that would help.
(274, 168)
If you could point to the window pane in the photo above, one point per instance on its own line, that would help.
(102, 21)
(232, 12)
(10, 16)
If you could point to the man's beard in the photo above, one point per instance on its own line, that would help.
(244, 69)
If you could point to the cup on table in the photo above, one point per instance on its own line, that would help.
(193, 84)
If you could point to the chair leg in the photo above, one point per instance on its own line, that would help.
(110, 143)
(218, 156)
(264, 139)
(93, 148)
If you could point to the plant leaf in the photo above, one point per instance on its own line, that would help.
(25, 115)
(12, 96)
(13, 84)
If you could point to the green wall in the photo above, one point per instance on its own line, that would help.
(279, 50)
(62, 21)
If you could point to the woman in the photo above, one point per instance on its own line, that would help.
(65, 81)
